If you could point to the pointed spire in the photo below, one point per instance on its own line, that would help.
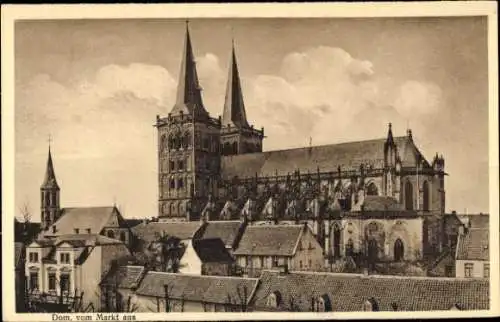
(50, 176)
(234, 108)
(390, 137)
(188, 89)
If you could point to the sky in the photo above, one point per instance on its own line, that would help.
(96, 86)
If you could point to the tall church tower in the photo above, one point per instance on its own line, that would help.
(188, 148)
(237, 136)
(49, 193)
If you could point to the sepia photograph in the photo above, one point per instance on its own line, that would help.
(245, 166)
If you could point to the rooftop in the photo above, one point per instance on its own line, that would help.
(269, 240)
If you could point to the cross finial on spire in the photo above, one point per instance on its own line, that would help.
(49, 140)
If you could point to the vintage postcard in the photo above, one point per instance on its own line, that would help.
(250, 161)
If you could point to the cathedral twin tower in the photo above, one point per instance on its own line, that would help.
(191, 142)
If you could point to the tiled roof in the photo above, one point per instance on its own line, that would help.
(127, 277)
(479, 221)
(269, 240)
(382, 203)
(80, 240)
(349, 156)
(210, 289)
(181, 230)
(18, 254)
(474, 245)
(348, 292)
(225, 230)
(82, 218)
(212, 250)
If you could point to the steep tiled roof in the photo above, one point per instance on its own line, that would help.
(225, 230)
(211, 289)
(348, 292)
(349, 156)
(474, 245)
(82, 218)
(384, 203)
(127, 277)
(212, 250)
(80, 240)
(181, 230)
(279, 240)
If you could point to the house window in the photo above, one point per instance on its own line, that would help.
(469, 267)
(261, 261)
(64, 282)
(77, 231)
(33, 257)
(88, 230)
(486, 271)
(300, 264)
(34, 281)
(310, 264)
(52, 281)
(64, 258)
(448, 271)
(111, 234)
(123, 237)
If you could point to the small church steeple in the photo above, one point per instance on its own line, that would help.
(234, 108)
(188, 100)
(49, 192)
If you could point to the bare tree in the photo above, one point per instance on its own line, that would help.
(25, 212)
(239, 303)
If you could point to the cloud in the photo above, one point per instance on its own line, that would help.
(324, 92)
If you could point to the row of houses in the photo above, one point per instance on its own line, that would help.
(282, 290)
(66, 264)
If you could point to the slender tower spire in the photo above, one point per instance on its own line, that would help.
(49, 195)
(50, 176)
(234, 108)
(188, 89)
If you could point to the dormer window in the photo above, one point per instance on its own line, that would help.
(324, 304)
(33, 257)
(274, 299)
(88, 231)
(77, 231)
(64, 258)
(370, 305)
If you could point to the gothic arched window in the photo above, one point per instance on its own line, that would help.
(226, 150)
(178, 141)
(180, 183)
(408, 195)
(426, 196)
(171, 142)
(349, 248)
(172, 184)
(163, 143)
(186, 140)
(234, 148)
(371, 189)
(399, 250)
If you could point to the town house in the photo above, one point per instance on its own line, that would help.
(269, 246)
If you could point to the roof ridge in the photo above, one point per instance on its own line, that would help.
(351, 275)
(205, 276)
